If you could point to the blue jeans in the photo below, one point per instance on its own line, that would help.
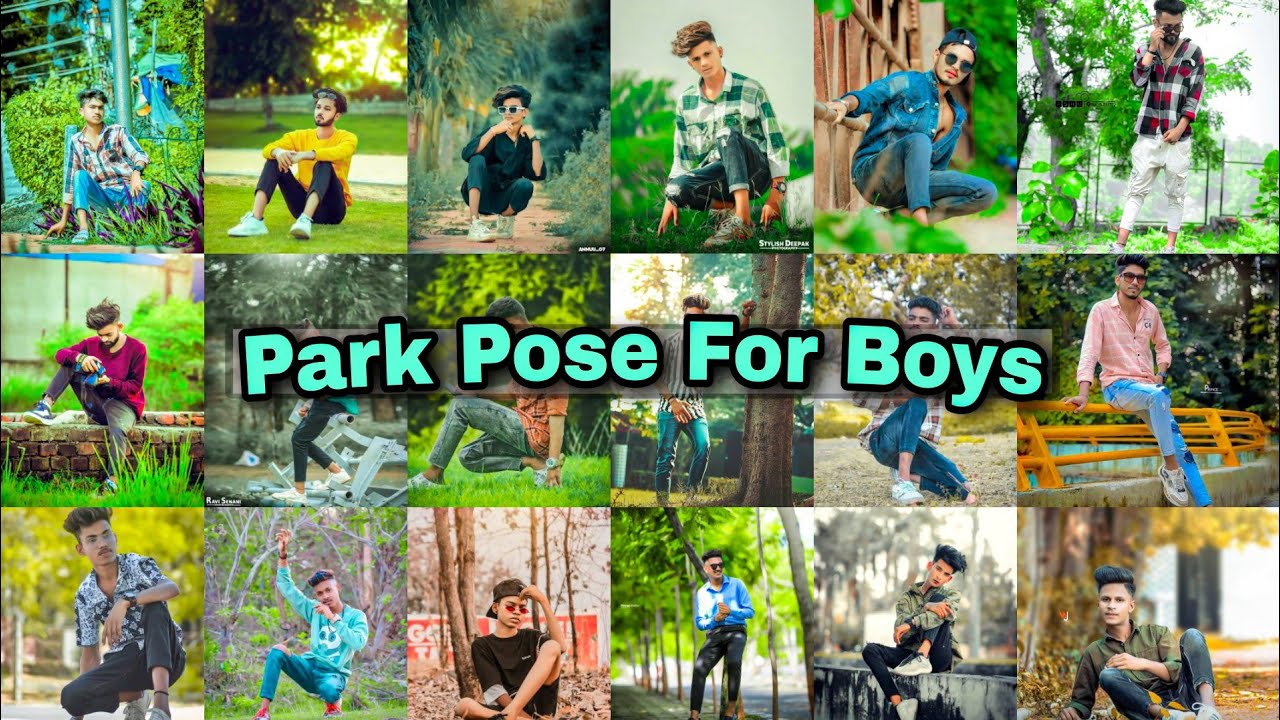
(668, 430)
(1152, 403)
(742, 166)
(311, 676)
(899, 433)
(901, 175)
(88, 195)
(1132, 700)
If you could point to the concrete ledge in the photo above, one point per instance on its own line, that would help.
(79, 448)
(1244, 486)
(850, 692)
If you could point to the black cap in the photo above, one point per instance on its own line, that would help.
(506, 588)
(962, 37)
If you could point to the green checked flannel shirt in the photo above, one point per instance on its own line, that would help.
(742, 105)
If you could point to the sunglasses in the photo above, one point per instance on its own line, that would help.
(717, 566)
(513, 608)
(1172, 28)
(327, 95)
(510, 109)
(965, 65)
(1130, 277)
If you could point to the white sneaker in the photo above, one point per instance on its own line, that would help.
(248, 227)
(540, 477)
(1206, 712)
(301, 228)
(341, 477)
(480, 231)
(506, 226)
(291, 496)
(137, 709)
(730, 229)
(1180, 714)
(907, 709)
(917, 664)
(1175, 486)
(905, 493)
(1117, 248)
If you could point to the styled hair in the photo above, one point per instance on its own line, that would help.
(101, 315)
(1128, 259)
(506, 307)
(88, 94)
(339, 101)
(699, 301)
(927, 303)
(506, 92)
(1173, 7)
(319, 577)
(950, 556)
(710, 554)
(1109, 574)
(84, 517)
(691, 36)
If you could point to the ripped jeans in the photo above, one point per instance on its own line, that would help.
(1152, 403)
(742, 164)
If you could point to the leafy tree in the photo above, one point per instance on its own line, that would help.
(264, 46)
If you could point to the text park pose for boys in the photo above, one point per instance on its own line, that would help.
(1136, 664)
(124, 596)
(337, 632)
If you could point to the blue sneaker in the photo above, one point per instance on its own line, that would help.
(40, 415)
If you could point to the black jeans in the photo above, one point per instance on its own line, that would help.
(324, 185)
(1132, 700)
(117, 415)
(305, 434)
(881, 657)
(742, 164)
(727, 643)
(128, 669)
(495, 200)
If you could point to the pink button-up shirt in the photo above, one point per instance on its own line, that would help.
(1123, 351)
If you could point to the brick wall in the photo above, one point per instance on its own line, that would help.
(79, 447)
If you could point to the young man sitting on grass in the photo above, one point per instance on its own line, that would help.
(518, 668)
(102, 169)
(336, 631)
(1136, 665)
(105, 372)
(310, 169)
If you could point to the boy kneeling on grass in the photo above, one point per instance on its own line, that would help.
(105, 372)
(337, 632)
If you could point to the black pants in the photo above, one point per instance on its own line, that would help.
(305, 434)
(726, 643)
(128, 669)
(881, 657)
(324, 185)
(742, 164)
(117, 415)
(495, 200)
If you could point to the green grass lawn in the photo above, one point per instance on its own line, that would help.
(637, 234)
(153, 483)
(376, 134)
(585, 483)
(370, 226)
(307, 709)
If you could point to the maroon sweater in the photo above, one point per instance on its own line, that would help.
(125, 369)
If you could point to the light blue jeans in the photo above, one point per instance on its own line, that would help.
(901, 175)
(88, 195)
(1151, 403)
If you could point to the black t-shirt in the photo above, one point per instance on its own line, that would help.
(502, 664)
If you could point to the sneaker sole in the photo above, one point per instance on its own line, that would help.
(31, 419)
(299, 235)
(482, 240)
(910, 673)
(247, 234)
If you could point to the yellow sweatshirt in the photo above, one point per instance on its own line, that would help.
(338, 150)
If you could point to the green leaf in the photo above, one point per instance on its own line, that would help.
(1062, 210)
(1038, 185)
(1070, 159)
(1272, 163)
(1072, 184)
(841, 8)
(1032, 211)
(1039, 234)
(1041, 167)
(822, 6)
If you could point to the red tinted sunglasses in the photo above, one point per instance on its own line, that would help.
(522, 609)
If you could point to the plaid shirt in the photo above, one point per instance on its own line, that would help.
(110, 165)
(674, 370)
(1169, 92)
(536, 408)
(882, 405)
(743, 106)
(1124, 351)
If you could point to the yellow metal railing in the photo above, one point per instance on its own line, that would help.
(1220, 432)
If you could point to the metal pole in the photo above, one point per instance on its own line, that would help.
(1222, 177)
(120, 59)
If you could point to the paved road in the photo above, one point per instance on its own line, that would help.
(54, 712)
(376, 169)
(632, 703)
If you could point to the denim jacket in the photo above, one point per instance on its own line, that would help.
(900, 104)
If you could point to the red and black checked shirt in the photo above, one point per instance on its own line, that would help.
(110, 164)
(1171, 92)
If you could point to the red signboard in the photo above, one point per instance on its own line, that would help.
(425, 633)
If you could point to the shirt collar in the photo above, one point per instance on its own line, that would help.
(728, 83)
(1133, 632)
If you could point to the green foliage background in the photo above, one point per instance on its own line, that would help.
(1220, 312)
(42, 573)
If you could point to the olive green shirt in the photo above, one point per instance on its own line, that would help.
(910, 610)
(1150, 642)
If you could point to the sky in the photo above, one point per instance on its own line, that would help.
(759, 41)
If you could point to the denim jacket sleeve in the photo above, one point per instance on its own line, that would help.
(876, 96)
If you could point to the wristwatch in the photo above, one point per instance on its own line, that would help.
(552, 463)
(781, 187)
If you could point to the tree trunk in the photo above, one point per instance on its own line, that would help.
(268, 112)
(533, 563)
(468, 685)
(689, 551)
(466, 532)
(679, 672)
(546, 563)
(662, 650)
(646, 679)
(631, 658)
(568, 581)
(768, 607)
(804, 596)
(975, 593)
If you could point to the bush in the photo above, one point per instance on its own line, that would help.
(581, 188)
(34, 122)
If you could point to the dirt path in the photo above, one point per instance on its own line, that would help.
(988, 234)
(847, 476)
(359, 191)
(446, 232)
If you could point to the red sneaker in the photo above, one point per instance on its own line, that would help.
(263, 714)
(332, 710)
